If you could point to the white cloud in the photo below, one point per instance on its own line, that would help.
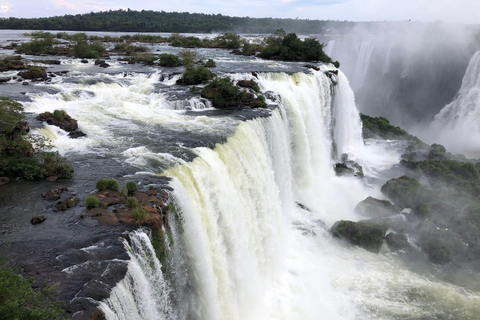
(5, 8)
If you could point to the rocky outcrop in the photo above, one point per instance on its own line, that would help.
(249, 84)
(34, 73)
(66, 204)
(101, 63)
(54, 194)
(65, 122)
(397, 242)
(374, 208)
(4, 180)
(363, 234)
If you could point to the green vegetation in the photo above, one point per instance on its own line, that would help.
(107, 184)
(85, 50)
(59, 114)
(363, 234)
(39, 46)
(92, 202)
(224, 93)
(289, 47)
(140, 215)
(210, 64)
(11, 112)
(18, 301)
(194, 76)
(131, 186)
(132, 202)
(124, 192)
(169, 60)
(159, 243)
(145, 58)
(18, 156)
(154, 21)
(381, 128)
(189, 58)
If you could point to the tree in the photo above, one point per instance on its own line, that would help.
(11, 112)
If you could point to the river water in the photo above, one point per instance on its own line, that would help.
(243, 247)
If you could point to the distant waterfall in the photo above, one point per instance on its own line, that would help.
(363, 63)
(143, 294)
(459, 121)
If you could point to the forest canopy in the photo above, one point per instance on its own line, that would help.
(161, 21)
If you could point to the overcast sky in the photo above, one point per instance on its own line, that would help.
(461, 11)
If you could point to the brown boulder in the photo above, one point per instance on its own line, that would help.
(54, 194)
(38, 219)
(66, 204)
(67, 123)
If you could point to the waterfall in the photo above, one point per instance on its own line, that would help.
(363, 64)
(243, 235)
(250, 233)
(329, 48)
(143, 294)
(459, 121)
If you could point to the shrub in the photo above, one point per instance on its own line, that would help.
(210, 64)
(221, 91)
(195, 76)
(85, 50)
(140, 215)
(19, 301)
(59, 114)
(131, 186)
(107, 184)
(169, 60)
(189, 57)
(145, 58)
(132, 202)
(92, 202)
(124, 191)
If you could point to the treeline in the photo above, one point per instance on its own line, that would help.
(181, 22)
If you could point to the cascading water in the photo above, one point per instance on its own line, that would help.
(143, 293)
(242, 247)
(459, 120)
(363, 63)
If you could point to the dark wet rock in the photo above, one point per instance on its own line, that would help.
(101, 63)
(84, 61)
(311, 66)
(5, 79)
(25, 83)
(372, 208)
(248, 84)
(405, 191)
(363, 234)
(302, 206)
(76, 134)
(438, 250)
(349, 169)
(97, 315)
(38, 219)
(54, 194)
(4, 180)
(49, 61)
(34, 73)
(66, 204)
(397, 241)
(67, 123)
